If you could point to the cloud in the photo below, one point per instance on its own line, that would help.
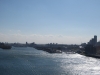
(38, 38)
(19, 30)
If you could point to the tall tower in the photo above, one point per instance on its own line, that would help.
(95, 39)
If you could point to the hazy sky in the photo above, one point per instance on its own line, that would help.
(45, 21)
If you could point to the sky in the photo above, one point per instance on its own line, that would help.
(49, 21)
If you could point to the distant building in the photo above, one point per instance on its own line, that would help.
(98, 43)
(26, 44)
(83, 44)
(98, 47)
(93, 41)
(90, 49)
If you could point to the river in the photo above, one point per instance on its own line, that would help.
(29, 61)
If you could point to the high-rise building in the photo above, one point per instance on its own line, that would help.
(95, 39)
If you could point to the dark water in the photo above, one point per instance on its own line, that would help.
(29, 61)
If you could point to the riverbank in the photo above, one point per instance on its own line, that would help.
(90, 55)
(94, 56)
(49, 50)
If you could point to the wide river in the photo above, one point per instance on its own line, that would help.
(29, 61)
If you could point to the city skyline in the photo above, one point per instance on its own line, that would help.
(49, 21)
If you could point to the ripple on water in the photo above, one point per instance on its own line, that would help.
(29, 61)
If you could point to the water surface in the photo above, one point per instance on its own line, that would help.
(29, 61)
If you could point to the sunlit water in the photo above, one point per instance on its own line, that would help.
(29, 61)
